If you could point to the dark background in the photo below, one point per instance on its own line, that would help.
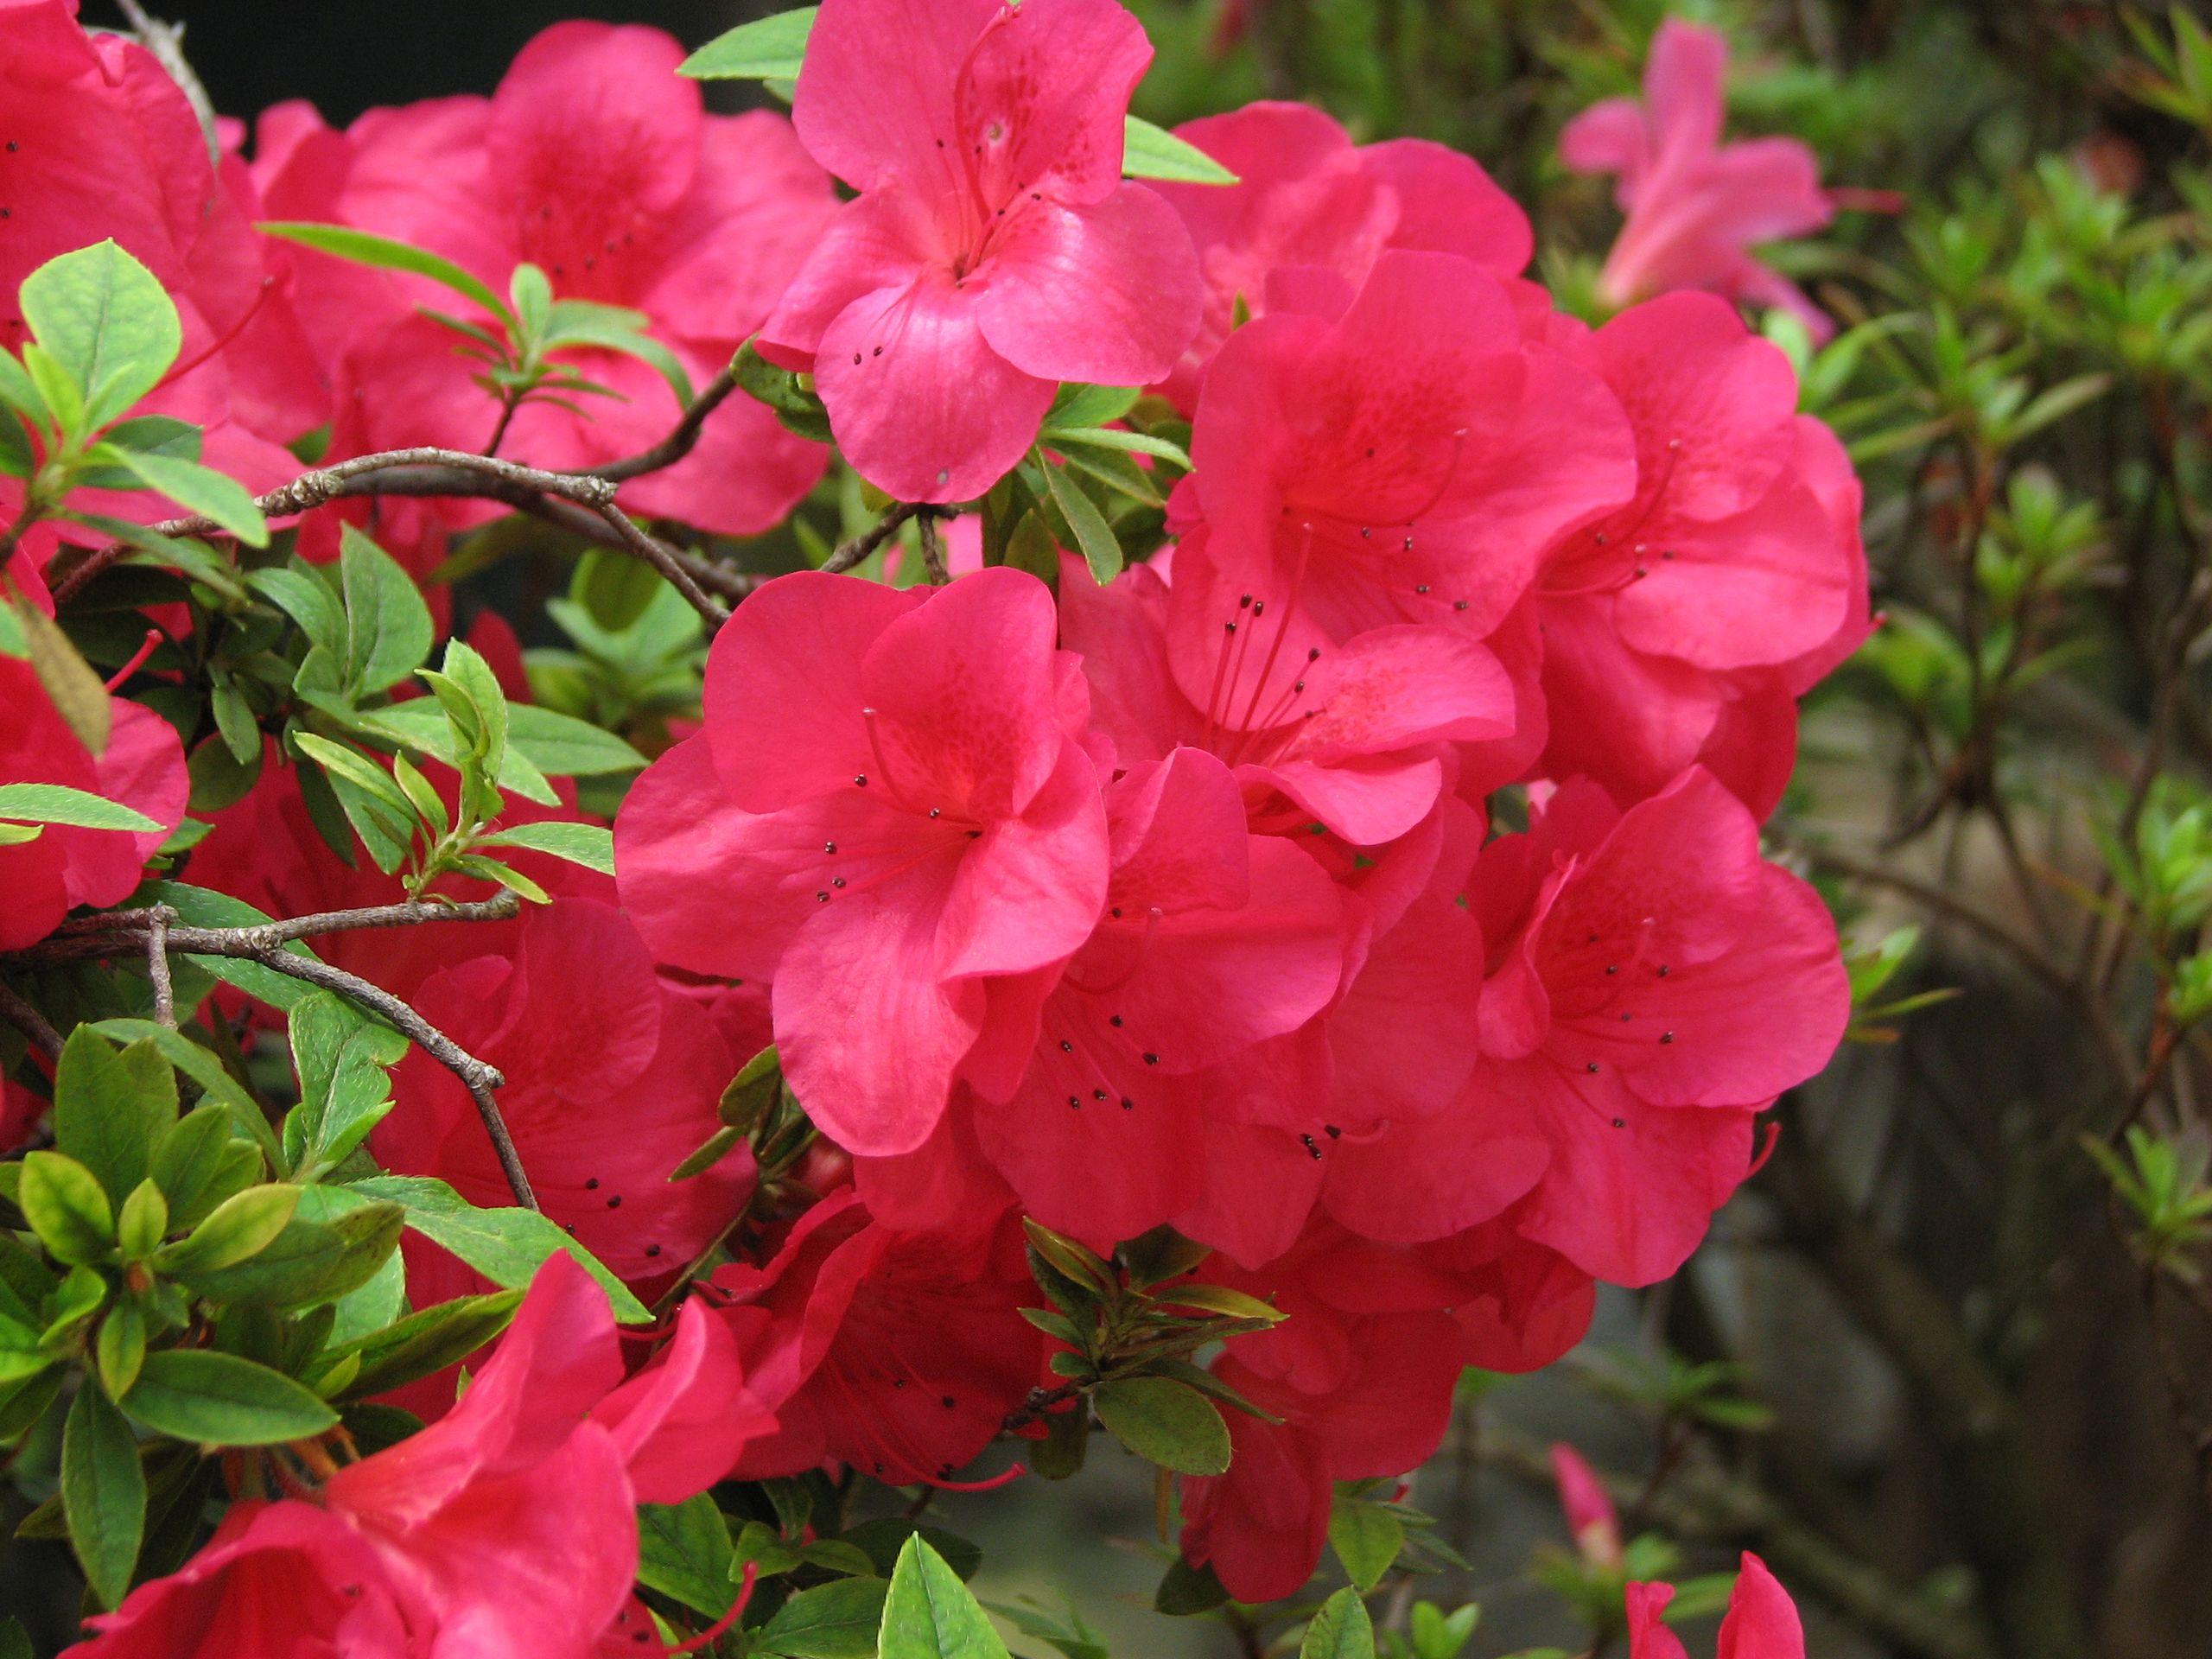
(346, 57)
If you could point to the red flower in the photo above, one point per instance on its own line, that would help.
(1406, 458)
(508, 1527)
(1307, 197)
(993, 251)
(42, 880)
(889, 808)
(1695, 205)
(631, 196)
(1653, 985)
(1355, 736)
(1727, 565)
(1215, 941)
(1762, 1621)
(1591, 1517)
(612, 1079)
(899, 1353)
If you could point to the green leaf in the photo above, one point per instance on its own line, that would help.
(141, 1222)
(505, 1245)
(77, 808)
(198, 1163)
(241, 1227)
(1078, 406)
(546, 741)
(218, 1085)
(1150, 152)
(334, 1245)
(388, 629)
(1220, 1298)
(1185, 1591)
(831, 1621)
(305, 598)
(77, 693)
(770, 48)
(103, 1492)
(589, 844)
(1164, 1422)
(106, 322)
(1102, 550)
(215, 1399)
(1366, 1537)
(429, 1341)
(65, 1204)
(928, 1613)
(108, 1107)
(202, 490)
(1341, 1630)
(1099, 437)
(121, 1346)
(345, 1091)
(685, 1552)
(385, 254)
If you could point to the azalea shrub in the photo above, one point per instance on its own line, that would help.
(709, 822)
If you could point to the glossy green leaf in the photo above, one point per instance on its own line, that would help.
(769, 49)
(929, 1614)
(103, 1493)
(1341, 1630)
(214, 1399)
(1164, 1422)
(59, 803)
(105, 320)
(1150, 152)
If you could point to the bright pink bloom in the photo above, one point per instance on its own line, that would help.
(1762, 1621)
(1362, 1374)
(1407, 460)
(993, 251)
(143, 768)
(508, 1527)
(613, 1080)
(1214, 941)
(1355, 736)
(1307, 197)
(1728, 564)
(1697, 206)
(1653, 984)
(1591, 1517)
(890, 808)
(899, 1353)
(631, 196)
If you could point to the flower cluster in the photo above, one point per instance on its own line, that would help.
(1367, 886)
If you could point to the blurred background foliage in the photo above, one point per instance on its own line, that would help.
(1947, 1363)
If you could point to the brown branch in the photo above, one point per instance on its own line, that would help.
(683, 438)
(265, 945)
(850, 553)
(427, 472)
(158, 965)
(500, 907)
(32, 1023)
(932, 550)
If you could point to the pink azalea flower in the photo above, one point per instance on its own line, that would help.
(1762, 1621)
(613, 1080)
(1362, 1374)
(1653, 985)
(1306, 196)
(917, 818)
(993, 251)
(1591, 1517)
(632, 196)
(1213, 942)
(899, 1353)
(1355, 736)
(1406, 458)
(508, 1527)
(42, 880)
(1697, 206)
(1727, 564)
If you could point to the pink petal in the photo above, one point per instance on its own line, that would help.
(1040, 103)
(1107, 293)
(922, 405)
(1761, 1622)
(875, 97)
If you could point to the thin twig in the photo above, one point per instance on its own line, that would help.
(428, 472)
(32, 1023)
(166, 42)
(500, 907)
(254, 944)
(683, 438)
(932, 550)
(158, 965)
(850, 553)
